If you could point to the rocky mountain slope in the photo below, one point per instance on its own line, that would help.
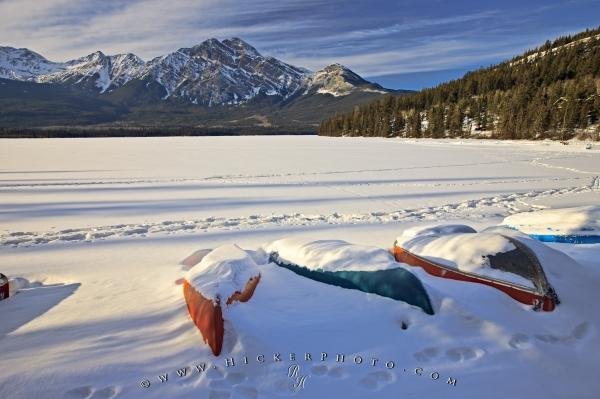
(214, 84)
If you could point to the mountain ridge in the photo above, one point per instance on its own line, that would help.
(214, 86)
(213, 72)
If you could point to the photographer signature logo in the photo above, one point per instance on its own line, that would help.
(298, 380)
(295, 379)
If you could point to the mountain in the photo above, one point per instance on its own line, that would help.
(23, 64)
(214, 85)
(550, 92)
(337, 80)
(97, 69)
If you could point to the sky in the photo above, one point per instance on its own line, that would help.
(407, 44)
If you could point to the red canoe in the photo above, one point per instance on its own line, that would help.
(542, 297)
(207, 314)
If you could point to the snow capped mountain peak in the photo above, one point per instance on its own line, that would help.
(101, 70)
(94, 58)
(223, 72)
(240, 46)
(338, 70)
(23, 64)
(337, 80)
(97, 55)
(210, 73)
(124, 67)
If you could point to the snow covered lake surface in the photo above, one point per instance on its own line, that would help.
(98, 227)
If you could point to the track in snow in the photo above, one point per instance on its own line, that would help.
(475, 209)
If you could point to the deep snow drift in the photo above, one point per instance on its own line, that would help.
(98, 228)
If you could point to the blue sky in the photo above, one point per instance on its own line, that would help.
(399, 44)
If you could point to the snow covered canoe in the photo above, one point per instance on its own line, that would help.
(217, 280)
(334, 262)
(578, 225)
(490, 258)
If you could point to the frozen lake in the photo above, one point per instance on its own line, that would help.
(155, 184)
(102, 223)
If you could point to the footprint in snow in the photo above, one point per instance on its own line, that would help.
(322, 370)
(88, 392)
(518, 341)
(464, 354)
(427, 354)
(79, 393)
(105, 393)
(377, 380)
(578, 333)
(229, 384)
(581, 331)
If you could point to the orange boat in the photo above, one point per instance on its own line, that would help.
(206, 310)
(520, 261)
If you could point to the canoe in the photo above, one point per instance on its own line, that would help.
(540, 295)
(339, 263)
(575, 225)
(207, 314)
(204, 306)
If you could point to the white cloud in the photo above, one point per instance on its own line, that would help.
(374, 38)
(433, 56)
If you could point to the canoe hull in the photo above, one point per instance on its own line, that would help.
(543, 302)
(207, 314)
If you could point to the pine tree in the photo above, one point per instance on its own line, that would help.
(542, 94)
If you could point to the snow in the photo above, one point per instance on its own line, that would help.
(465, 251)
(332, 80)
(222, 272)
(17, 284)
(541, 54)
(436, 230)
(23, 64)
(217, 72)
(330, 255)
(336, 93)
(369, 90)
(98, 227)
(583, 220)
(213, 72)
